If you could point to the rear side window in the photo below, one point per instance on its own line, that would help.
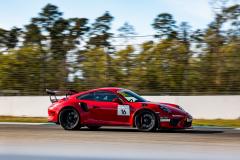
(105, 96)
(87, 96)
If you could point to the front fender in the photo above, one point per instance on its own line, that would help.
(152, 108)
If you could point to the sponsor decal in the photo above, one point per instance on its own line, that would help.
(165, 120)
(177, 115)
(123, 110)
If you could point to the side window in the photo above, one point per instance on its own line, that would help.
(87, 96)
(105, 96)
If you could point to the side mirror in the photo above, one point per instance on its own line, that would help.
(117, 100)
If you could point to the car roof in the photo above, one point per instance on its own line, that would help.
(108, 89)
(103, 89)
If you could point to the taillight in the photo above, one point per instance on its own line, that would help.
(51, 114)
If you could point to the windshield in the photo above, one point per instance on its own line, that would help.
(131, 96)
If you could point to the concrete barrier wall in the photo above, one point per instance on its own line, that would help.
(206, 107)
(29, 106)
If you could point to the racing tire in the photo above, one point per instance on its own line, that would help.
(69, 119)
(93, 128)
(146, 121)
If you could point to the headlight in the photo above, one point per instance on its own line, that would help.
(180, 108)
(164, 109)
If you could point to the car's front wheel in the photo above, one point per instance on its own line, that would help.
(146, 121)
(70, 119)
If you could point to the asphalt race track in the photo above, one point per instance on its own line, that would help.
(38, 142)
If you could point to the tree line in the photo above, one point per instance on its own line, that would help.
(57, 53)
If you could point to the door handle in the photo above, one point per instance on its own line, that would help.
(95, 107)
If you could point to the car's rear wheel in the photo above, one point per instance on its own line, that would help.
(70, 119)
(94, 127)
(146, 121)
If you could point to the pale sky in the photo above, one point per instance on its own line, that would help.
(139, 13)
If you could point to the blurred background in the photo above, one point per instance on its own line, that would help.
(175, 58)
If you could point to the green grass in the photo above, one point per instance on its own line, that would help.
(217, 122)
(196, 122)
(23, 119)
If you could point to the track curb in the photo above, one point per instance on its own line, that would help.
(206, 127)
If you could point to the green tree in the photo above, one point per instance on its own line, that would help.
(25, 61)
(232, 15)
(126, 31)
(161, 66)
(215, 39)
(125, 64)
(99, 33)
(165, 26)
(9, 39)
(51, 30)
(33, 37)
(93, 69)
(144, 74)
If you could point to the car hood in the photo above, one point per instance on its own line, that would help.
(172, 107)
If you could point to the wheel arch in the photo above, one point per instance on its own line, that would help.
(136, 112)
(67, 106)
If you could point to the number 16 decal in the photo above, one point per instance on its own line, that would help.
(123, 110)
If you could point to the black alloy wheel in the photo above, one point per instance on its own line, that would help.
(146, 121)
(70, 119)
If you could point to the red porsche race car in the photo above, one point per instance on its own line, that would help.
(114, 107)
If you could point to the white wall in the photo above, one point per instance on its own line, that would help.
(29, 106)
(207, 107)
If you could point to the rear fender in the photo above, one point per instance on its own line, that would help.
(69, 104)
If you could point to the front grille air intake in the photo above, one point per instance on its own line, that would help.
(187, 124)
(174, 122)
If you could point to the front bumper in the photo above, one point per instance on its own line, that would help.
(175, 121)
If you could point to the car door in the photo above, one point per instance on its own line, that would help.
(107, 110)
(86, 101)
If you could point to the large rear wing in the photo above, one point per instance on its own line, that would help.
(53, 93)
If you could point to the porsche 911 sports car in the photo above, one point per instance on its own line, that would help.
(114, 107)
